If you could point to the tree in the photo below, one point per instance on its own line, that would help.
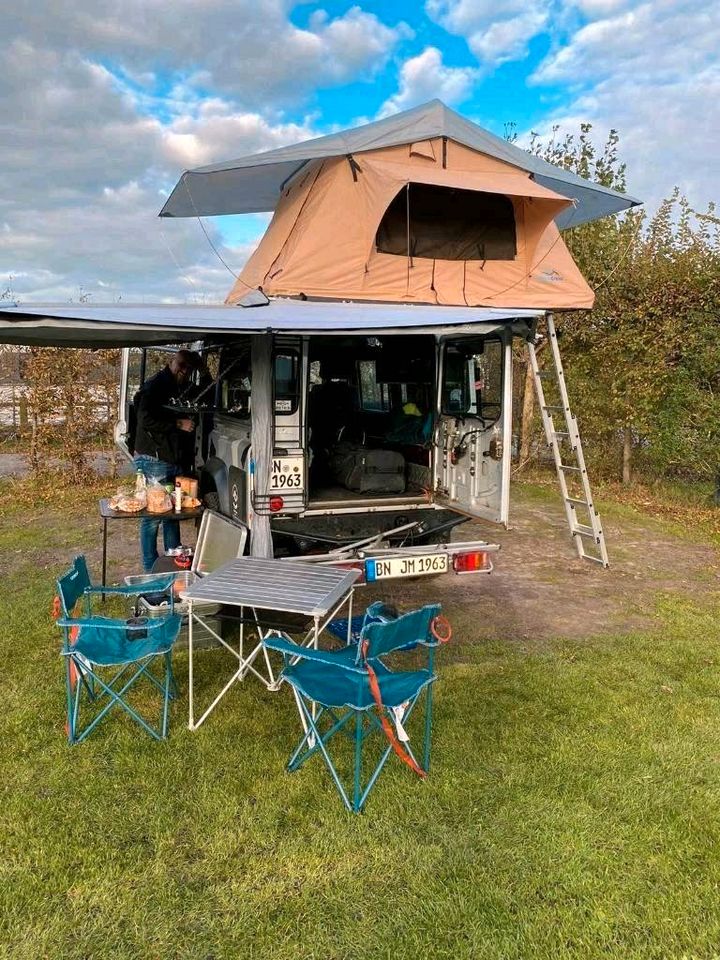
(643, 365)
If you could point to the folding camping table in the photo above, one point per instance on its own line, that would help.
(256, 584)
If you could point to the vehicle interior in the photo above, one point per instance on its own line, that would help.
(370, 416)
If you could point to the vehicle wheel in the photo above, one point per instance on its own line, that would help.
(212, 501)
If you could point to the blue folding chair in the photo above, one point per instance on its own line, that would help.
(334, 687)
(91, 642)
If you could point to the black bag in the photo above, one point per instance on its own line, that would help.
(367, 471)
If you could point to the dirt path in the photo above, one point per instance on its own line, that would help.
(538, 590)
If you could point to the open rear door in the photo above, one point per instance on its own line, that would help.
(473, 432)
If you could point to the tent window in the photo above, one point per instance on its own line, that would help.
(448, 224)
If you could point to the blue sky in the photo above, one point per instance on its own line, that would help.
(103, 106)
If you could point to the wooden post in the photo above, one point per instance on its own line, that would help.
(23, 414)
(627, 455)
(528, 406)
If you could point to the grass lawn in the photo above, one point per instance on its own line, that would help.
(572, 809)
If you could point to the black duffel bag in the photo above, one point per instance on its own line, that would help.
(367, 471)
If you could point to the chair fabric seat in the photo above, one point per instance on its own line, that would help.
(336, 686)
(109, 644)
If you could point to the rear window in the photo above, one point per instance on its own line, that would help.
(445, 223)
(473, 378)
(286, 369)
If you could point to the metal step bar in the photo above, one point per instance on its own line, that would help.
(588, 537)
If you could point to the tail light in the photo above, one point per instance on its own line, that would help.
(470, 562)
(276, 504)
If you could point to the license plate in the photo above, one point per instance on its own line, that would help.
(417, 565)
(288, 473)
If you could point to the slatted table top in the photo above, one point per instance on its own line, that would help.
(287, 585)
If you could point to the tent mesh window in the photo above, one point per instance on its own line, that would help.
(445, 223)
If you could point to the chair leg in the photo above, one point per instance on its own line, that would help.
(115, 698)
(321, 745)
(359, 733)
(69, 725)
(428, 726)
(169, 683)
(173, 683)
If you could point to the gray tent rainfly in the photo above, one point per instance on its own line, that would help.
(120, 325)
(253, 184)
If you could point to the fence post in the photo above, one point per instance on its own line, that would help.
(23, 413)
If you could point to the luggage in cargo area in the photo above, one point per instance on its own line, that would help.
(367, 471)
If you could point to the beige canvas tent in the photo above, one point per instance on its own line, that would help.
(432, 221)
(420, 207)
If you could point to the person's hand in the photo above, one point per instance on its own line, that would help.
(185, 424)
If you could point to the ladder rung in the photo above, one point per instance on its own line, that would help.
(565, 466)
(546, 374)
(584, 531)
(554, 407)
(582, 503)
(589, 556)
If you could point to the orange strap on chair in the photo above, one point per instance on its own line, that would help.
(438, 624)
(56, 612)
(386, 725)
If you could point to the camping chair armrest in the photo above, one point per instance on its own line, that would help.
(288, 648)
(159, 585)
(107, 623)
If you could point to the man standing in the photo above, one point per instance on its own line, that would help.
(158, 442)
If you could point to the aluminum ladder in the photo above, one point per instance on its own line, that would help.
(582, 517)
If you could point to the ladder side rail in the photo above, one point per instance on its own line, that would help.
(572, 432)
(551, 437)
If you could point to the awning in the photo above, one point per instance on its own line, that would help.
(120, 325)
(253, 184)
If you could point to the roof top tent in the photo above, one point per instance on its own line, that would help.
(420, 224)
(422, 207)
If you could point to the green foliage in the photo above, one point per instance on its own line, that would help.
(646, 362)
(72, 405)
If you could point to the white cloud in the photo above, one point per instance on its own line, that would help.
(652, 72)
(249, 49)
(424, 77)
(102, 105)
(495, 33)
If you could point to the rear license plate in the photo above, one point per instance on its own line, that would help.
(418, 565)
(288, 473)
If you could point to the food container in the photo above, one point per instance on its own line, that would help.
(158, 500)
(189, 486)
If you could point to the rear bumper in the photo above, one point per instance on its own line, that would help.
(382, 564)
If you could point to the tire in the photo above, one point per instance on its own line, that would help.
(212, 501)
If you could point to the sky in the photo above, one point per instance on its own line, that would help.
(103, 105)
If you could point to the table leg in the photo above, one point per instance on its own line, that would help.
(191, 718)
(104, 557)
(350, 615)
(242, 633)
(313, 708)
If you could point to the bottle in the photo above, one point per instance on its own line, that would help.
(178, 496)
(140, 483)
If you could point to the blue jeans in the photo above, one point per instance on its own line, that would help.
(155, 469)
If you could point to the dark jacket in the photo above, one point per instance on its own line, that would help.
(156, 433)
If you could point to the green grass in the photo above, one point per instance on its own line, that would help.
(572, 811)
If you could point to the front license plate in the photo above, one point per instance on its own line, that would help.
(418, 565)
(288, 473)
